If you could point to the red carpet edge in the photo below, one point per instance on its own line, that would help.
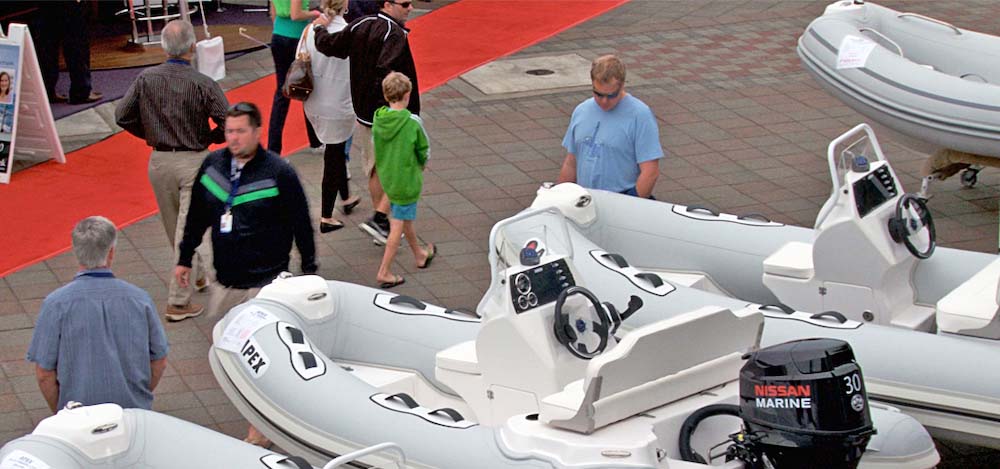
(42, 203)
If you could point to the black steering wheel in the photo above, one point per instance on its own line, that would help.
(912, 216)
(572, 334)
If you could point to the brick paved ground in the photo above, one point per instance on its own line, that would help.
(745, 129)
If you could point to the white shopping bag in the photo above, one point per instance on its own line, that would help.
(210, 55)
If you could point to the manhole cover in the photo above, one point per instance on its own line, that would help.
(530, 74)
(539, 72)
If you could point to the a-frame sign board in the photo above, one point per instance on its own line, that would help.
(27, 129)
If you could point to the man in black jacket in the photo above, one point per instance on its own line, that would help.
(376, 44)
(255, 205)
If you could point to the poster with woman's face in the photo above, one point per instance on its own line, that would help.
(9, 65)
(7, 85)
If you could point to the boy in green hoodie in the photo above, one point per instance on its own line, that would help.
(401, 152)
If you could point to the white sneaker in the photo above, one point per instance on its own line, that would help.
(377, 233)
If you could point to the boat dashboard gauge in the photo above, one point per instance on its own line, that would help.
(873, 190)
(539, 285)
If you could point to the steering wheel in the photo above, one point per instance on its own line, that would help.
(911, 218)
(571, 334)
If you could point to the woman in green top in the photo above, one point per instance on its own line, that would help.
(290, 18)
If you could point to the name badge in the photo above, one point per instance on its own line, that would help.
(226, 223)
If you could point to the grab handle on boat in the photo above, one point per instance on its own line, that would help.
(298, 461)
(754, 216)
(651, 278)
(830, 314)
(308, 360)
(885, 38)
(405, 398)
(354, 455)
(459, 312)
(780, 307)
(958, 32)
(451, 413)
(618, 259)
(701, 208)
(297, 336)
(408, 300)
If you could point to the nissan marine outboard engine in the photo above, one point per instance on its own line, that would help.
(803, 404)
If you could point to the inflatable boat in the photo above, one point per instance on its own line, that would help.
(105, 436)
(548, 375)
(924, 321)
(924, 78)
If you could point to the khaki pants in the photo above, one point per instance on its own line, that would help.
(224, 298)
(362, 145)
(172, 176)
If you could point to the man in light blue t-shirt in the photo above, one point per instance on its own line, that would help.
(613, 141)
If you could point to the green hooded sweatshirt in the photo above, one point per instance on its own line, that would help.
(401, 151)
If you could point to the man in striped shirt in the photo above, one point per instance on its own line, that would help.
(169, 106)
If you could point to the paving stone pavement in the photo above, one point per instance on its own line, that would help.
(744, 127)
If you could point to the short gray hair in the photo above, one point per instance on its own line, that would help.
(177, 37)
(93, 238)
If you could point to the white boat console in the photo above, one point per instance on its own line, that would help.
(547, 346)
(869, 238)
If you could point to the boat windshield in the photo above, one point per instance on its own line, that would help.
(857, 142)
(544, 230)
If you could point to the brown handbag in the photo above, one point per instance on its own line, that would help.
(299, 80)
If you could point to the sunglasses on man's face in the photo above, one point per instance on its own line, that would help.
(404, 4)
(598, 94)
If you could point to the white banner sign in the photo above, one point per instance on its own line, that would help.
(18, 459)
(250, 320)
(854, 52)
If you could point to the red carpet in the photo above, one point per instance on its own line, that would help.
(41, 205)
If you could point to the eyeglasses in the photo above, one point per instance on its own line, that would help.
(598, 94)
(404, 4)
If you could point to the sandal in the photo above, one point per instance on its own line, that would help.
(348, 207)
(397, 280)
(431, 252)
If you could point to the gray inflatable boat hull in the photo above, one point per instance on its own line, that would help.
(926, 79)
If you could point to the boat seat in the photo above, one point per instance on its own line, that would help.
(460, 357)
(973, 308)
(793, 260)
(654, 365)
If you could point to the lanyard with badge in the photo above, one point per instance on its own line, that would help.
(226, 222)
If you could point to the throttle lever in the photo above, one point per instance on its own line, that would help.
(634, 303)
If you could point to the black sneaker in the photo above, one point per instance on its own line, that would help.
(376, 231)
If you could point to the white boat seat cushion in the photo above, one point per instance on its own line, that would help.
(794, 259)
(460, 357)
(654, 365)
(973, 305)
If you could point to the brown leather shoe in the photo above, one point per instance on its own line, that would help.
(92, 98)
(179, 313)
(58, 98)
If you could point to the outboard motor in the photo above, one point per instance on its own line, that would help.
(803, 404)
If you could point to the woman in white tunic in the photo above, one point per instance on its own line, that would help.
(331, 113)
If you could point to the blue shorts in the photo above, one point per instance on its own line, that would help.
(403, 212)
